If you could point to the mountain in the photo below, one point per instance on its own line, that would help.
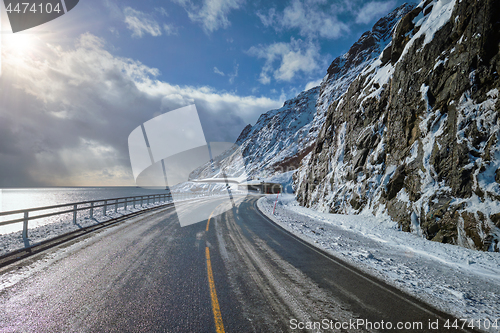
(415, 136)
(281, 138)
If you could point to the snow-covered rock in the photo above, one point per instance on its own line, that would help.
(281, 138)
(416, 135)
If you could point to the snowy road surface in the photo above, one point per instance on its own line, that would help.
(239, 273)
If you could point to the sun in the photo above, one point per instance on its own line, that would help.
(20, 43)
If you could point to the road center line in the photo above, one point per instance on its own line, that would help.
(208, 222)
(219, 326)
(211, 214)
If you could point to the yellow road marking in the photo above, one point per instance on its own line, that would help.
(219, 326)
(212, 213)
(208, 222)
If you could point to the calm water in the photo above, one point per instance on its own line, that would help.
(15, 199)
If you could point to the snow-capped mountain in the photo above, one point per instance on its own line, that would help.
(416, 134)
(404, 126)
(281, 138)
(275, 144)
(344, 69)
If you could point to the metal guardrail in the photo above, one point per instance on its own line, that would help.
(16, 255)
(74, 208)
(26, 215)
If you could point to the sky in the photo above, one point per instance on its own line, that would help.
(73, 89)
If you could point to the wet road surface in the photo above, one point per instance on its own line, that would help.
(234, 272)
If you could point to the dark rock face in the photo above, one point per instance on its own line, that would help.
(395, 184)
(418, 132)
(244, 134)
(344, 69)
(282, 138)
(279, 136)
(275, 144)
(371, 42)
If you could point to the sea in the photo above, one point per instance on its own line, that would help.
(23, 198)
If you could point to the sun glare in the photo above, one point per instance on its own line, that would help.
(21, 44)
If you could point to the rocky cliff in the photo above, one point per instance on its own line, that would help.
(275, 144)
(281, 138)
(416, 134)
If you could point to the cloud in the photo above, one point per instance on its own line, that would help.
(162, 11)
(312, 18)
(231, 76)
(65, 117)
(141, 23)
(374, 10)
(313, 84)
(294, 57)
(212, 14)
(170, 29)
(114, 9)
(268, 19)
(217, 71)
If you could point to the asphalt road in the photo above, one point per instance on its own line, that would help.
(234, 272)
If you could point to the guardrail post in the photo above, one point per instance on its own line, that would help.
(125, 204)
(25, 225)
(104, 208)
(75, 207)
(91, 210)
(142, 201)
(116, 205)
(134, 203)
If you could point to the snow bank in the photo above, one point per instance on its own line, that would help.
(457, 280)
